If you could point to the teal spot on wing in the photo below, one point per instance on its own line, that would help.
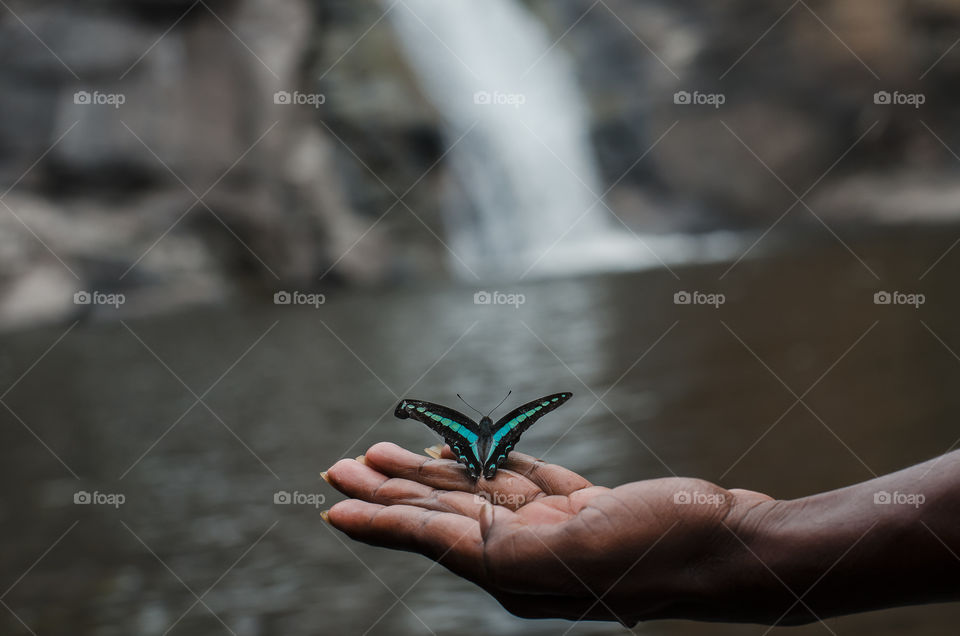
(509, 426)
(421, 409)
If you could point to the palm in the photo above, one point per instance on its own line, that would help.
(550, 541)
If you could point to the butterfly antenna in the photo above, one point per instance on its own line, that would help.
(465, 402)
(501, 402)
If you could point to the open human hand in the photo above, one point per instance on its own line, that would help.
(544, 541)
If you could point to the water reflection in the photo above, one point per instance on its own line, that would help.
(684, 389)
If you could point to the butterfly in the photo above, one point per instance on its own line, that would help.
(482, 447)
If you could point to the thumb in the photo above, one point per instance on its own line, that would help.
(487, 519)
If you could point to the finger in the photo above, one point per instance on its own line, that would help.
(394, 461)
(751, 496)
(450, 539)
(507, 488)
(551, 478)
(360, 481)
(444, 452)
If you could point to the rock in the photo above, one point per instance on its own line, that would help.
(84, 45)
(44, 290)
(306, 194)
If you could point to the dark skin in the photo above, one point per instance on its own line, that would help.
(552, 545)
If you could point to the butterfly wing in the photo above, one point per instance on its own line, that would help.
(509, 428)
(458, 431)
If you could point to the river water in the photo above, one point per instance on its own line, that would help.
(286, 391)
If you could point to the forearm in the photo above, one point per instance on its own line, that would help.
(894, 540)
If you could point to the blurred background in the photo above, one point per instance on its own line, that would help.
(234, 233)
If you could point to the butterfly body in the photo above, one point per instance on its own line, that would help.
(481, 447)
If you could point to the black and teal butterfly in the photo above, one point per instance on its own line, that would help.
(480, 447)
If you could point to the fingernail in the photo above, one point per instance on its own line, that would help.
(325, 515)
(434, 451)
(324, 475)
(362, 459)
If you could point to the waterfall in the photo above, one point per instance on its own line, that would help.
(526, 165)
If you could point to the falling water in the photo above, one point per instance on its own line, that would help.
(518, 129)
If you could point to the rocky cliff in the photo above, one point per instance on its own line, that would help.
(184, 152)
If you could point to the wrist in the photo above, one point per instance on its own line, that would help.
(776, 562)
(882, 543)
(732, 578)
(758, 549)
(834, 553)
